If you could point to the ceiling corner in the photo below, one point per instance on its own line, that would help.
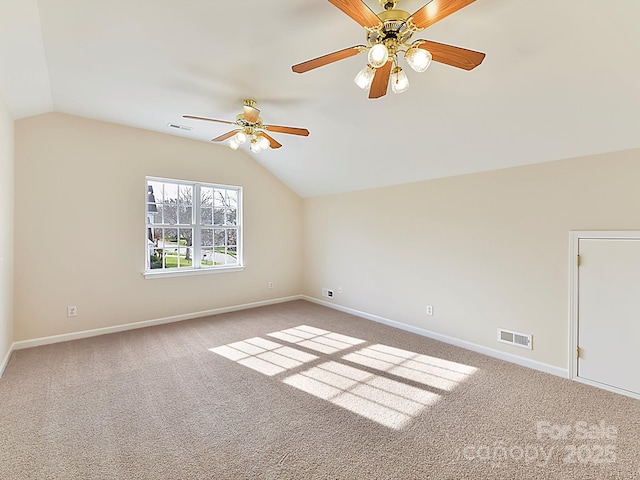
(24, 78)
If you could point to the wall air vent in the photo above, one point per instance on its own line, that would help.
(180, 127)
(514, 338)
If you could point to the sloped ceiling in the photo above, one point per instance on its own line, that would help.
(559, 80)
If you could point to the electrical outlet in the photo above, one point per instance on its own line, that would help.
(270, 284)
(72, 311)
(429, 309)
(339, 289)
(327, 293)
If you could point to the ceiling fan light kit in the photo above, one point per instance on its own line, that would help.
(389, 34)
(365, 77)
(378, 55)
(418, 59)
(399, 80)
(252, 129)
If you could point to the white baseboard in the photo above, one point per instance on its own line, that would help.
(525, 362)
(36, 342)
(6, 358)
(609, 388)
(474, 347)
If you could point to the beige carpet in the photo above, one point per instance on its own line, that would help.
(299, 391)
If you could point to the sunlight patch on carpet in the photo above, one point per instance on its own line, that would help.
(316, 339)
(385, 397)
(385, 401)
(264, 355)
(430, 371)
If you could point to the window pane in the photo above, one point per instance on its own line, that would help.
(231, 217)
(218, 216)
(207, 237)
(154, 217)
(232, 237)
(160, 217)
(170, 213)
(206, 216)
(186, 237)
(207, 257)
(152, 200)
(232, 196)
(170, 204)
(185, 250)
(219, 198)
(155, 258)
(185, 215)
(232, 256)
(186, 194)
(206, 196)
(170, 247)
(170, 193)
(154, 192)
(157, 235)
(219, 237)
(155, 254)
(170, 237)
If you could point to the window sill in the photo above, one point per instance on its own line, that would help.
(185, 272)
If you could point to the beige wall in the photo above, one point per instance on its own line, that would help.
(6, 231)
(80, 233)
(486, 250)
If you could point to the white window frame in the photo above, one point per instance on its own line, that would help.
(197, 268)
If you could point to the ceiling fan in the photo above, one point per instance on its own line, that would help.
(251, 128)
(389, 33)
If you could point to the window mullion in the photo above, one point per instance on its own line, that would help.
(197, 236)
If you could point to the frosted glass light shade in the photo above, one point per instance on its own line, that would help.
(233, 143)
(378, 55)
(255, 146)
(240, 137)
(365, 77)
(418, 59)
(399, 80)
(263, 142)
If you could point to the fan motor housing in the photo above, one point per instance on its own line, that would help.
(394, 25)
(243, 122)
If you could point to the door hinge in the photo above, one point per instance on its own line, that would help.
(578, 260)
(578, 352)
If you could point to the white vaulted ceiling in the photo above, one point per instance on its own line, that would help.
(559, 80)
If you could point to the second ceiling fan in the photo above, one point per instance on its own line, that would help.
(250, 127)
(388, 34)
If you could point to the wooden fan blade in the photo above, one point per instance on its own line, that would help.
(208, 119)
(224, 136)
(358, 11)
(292, 130)
(435, 11)
(251, 114)
(328, 58)
(381, 81)
(454, 56)
(273, 143)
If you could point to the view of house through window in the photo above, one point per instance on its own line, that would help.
(192, 225)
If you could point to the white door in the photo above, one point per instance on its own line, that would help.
(608, 324)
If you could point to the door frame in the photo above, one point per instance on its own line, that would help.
(574, 245)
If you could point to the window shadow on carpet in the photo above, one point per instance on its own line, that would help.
(387, 385)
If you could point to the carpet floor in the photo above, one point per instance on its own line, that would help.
(300, 391)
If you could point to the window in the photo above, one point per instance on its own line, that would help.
(192, 226)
